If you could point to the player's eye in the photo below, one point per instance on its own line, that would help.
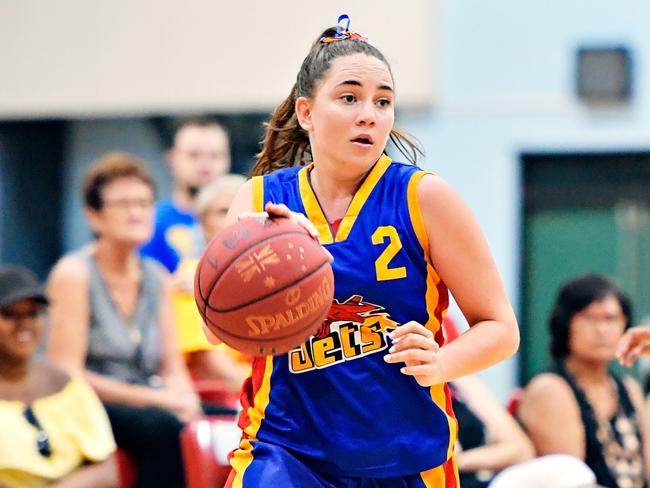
(349, 99)
(384, 102)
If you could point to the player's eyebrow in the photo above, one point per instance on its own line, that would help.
(381, 86)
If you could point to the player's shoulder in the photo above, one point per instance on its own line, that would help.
(403, 172)
(283, 174)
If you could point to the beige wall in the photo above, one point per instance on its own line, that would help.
(91, 57)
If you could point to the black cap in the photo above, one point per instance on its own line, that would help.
(18, 283)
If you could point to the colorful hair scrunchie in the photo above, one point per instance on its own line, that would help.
(343, 33)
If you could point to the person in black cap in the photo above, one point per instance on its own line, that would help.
(55, 431)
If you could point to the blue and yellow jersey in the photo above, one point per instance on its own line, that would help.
(176, 237)
(334, 402)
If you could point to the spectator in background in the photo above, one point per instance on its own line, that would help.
(200, 154)
(493, 451)
(206, 361)
(54, 429)
(111, 317)
(581, 407)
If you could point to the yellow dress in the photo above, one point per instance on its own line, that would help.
(78, 430)
(189, 325)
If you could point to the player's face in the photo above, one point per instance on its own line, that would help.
(127, 213)
(21, 327)
(214, 219)
(594, 332)
(351, 114)
(199, 156)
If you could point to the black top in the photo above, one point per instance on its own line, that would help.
(613, 450)
(471, 434)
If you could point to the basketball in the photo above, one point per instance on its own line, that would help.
(263, 286)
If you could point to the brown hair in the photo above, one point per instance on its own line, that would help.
(285, 143)
(195, 121)
(109, 168)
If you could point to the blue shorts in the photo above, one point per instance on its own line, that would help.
(268, 465)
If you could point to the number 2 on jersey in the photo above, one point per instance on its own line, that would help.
(384, 272)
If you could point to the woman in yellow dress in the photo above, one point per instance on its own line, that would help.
(55, 431)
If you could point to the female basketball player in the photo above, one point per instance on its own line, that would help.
(365, 403)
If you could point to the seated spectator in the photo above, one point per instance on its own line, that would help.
(54, 429)
(581, 407)
(111, 318)
(206, 361)
(493, 450)
(489, 439)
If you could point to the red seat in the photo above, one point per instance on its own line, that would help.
(515, 400)
(215, 393)
(126, 470)
(205, 443)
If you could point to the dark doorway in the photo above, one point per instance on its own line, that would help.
(583, 212)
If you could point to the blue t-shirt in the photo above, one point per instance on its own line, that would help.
(176, 237)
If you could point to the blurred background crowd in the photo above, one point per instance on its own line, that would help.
(126, 130)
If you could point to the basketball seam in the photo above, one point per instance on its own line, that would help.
(233, 259)
(261, 339)
(264, 297)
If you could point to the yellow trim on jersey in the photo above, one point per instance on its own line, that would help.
(432, 295)
(315, 212)
(243, 457)
(312, 207)
(434, 478)
(361, 197)
(258, 193)
(437, 478)
(416, 213)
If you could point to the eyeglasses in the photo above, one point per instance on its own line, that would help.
(608, 319)
(42, 437)
(29, 314)
(127, 203)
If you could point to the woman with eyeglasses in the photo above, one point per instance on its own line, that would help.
(111, 318)
(581, 407)
(53, 429)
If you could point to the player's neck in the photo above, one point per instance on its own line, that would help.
(334, 192)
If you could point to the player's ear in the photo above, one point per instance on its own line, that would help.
(303, 112)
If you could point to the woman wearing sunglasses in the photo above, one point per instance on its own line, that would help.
(54, 431)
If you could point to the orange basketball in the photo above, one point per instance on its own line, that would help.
(263, 286)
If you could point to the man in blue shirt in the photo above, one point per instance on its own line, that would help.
(200, 154)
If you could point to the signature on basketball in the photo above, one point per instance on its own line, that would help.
(235, 237)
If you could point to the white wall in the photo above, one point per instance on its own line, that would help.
(89, 58)
(507, 79)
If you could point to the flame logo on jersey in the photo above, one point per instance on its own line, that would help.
(351, 330)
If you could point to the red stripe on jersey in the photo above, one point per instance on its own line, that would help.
(250, 388)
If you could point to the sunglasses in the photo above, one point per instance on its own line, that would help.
(42, 438)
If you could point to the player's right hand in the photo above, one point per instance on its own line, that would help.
(634, 343)
(281, 210)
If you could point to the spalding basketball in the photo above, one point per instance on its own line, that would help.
(263, 286)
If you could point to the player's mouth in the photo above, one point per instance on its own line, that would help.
(364, 140)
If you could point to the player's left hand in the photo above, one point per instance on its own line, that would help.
(415, 346)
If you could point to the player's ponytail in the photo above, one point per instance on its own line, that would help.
(285, 143)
